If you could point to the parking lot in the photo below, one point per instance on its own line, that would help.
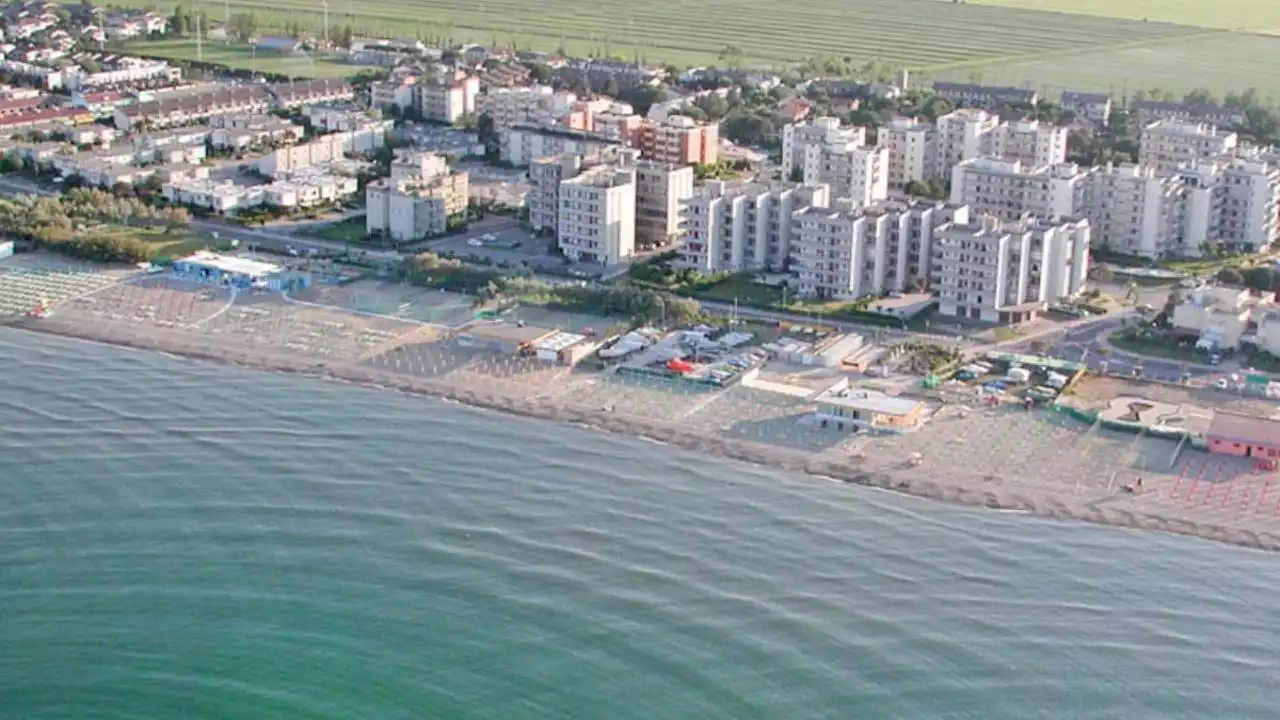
(500, 240)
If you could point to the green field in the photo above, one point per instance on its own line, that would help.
(1220, 62)
(896, 32)
(1173, 45)
(1262, 15)
(244, 57)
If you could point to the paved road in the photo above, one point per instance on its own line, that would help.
(1087, 343)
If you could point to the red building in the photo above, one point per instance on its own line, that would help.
(1244, 436)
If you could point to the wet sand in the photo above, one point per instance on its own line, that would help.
(1009, 459)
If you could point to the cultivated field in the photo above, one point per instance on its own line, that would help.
(243, 57)
(1223, 14)
(912, 33)
(1220, 62)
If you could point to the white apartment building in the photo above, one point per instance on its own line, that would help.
(851, 170)
(845, 254)
(534, 105)
(1034, 143)
(447, 98)
(913, 150)
(325, 149)
(984, 270)
(1009, 190)
(1168, 145)
(1135, 211)
(797, 138)
(963, 135)
(418, 164)
(597, 219)
(522, 144)
(1250, 191)
(661, 190)
(410, 208)
(742, 226)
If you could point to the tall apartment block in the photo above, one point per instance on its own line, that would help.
(1234, 202)
(447, 98)
(1008, 273)
(678, 140)
(963, 135)
(743, 227)
(855, 172)
(1031, 142)
(536, 105)
(849, 253)
(662, 189)
(1168, 145)
(597, 220)
(1008, 190)
(913, 150)
(619, 121)
(409, 206)
(659, 189)
(797, 138)
(522, 144)
(1135, 211)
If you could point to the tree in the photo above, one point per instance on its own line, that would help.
(1261, 278)
(10, 163)
(1230, 276)
(715, 106)
(347, 37)
(732, 56)
(179, 21)
(540, 73)
(642, 97)
(1199, 96)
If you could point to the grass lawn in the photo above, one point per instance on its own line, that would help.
(166, 245)
(913, 33)
(349, 230)
(1221, 62)
(244, 57)
(742, 289)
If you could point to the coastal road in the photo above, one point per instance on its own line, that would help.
(1087, 343)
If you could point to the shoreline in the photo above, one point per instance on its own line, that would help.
(1052, 505)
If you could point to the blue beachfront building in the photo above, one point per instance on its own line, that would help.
(233, 271)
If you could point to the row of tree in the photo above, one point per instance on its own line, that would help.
(71, 223)
(1260, 278)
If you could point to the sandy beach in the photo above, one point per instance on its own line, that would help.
(1006, 458)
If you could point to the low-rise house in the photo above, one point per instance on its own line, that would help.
(846, 408)
(1219, 316)
(1244, 436)
(1094, 107)
(972, 95)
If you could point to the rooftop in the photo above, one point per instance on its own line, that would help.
(232, 264)
(1245, 428)
(510, 332)
(869, 400)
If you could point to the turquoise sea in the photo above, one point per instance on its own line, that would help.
(187, 540)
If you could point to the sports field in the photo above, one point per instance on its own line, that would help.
(1102, 44)
(243, 57)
